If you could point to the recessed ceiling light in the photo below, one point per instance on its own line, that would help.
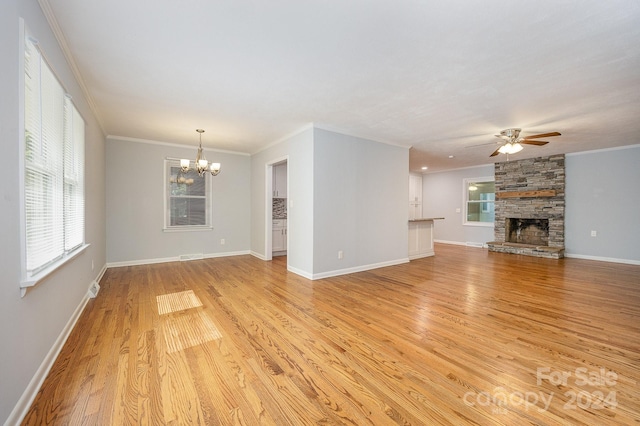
(424, 167)
(451, 156)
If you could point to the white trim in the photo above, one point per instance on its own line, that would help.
(268, 204)
(258, 255)
(303, 274)
(66, 51)
(208, 201)
(456, 243)
(21, 151)
(602, 259)
(35, 279)
(24, 403)
(465, 201)
(361, 268)
(186, 228)
(175, 145)
(427, 172)
(173, 259)
(284, 138)
(472, 244)
(101, 273)
(421, 255)
(332, 129)
(227, 254)
(142, 262)
(594, 151)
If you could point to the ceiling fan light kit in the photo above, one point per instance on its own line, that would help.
(514, 142)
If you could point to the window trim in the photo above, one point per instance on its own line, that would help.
(30, 279)
(171, 162)
(465, 201)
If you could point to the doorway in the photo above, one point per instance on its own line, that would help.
(276, 214)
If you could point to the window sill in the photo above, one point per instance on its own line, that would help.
(35, 279)
(188, 229)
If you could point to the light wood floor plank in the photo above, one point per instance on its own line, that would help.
(457, 338)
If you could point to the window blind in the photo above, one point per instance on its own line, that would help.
(54, 166)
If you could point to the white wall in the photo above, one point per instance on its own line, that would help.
(298, 149)
(135, 204)
(30, 326)
(360, 203)
(602, 195)
(442, 194)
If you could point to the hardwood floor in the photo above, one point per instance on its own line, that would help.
(465, 337)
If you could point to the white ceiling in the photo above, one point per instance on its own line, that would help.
(439, 76)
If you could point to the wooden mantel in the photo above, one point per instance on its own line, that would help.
(527, 194)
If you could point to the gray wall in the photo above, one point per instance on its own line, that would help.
(31, 325)
(135, 204)
(442, 194)
(360, 202)
(344, 193)
(602, 195)
(298, 149)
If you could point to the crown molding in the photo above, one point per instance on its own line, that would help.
(64, 46)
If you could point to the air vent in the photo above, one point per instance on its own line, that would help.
(94, 289)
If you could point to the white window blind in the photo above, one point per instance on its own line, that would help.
(53, 167)
(187, 198)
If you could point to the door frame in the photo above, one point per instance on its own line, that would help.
(268, 208)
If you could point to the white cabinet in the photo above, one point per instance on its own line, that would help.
(415, 196)
(279, 236)
(421, 239)
(280, 181)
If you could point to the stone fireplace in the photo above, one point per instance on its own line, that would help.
(529, 207)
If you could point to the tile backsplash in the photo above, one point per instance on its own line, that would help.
(279, 208)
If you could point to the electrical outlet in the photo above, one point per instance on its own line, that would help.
(458, 210)
(594, 233)
(340, 254)
(92, 266)
(222, 242)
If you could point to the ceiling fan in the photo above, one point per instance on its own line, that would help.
(513, 141)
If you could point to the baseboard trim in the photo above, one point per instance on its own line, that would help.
(29, 395)
(258, 255)
(602, 259)
(227, 254)
(300, 272)
(362, 268)
(462, 243)
(173, 259)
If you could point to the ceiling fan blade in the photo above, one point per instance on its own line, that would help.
(542, 135)
(483, 144)
(496, 152)
(539, 143)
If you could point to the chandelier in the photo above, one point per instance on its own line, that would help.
(201, 162)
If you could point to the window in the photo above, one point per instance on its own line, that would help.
(53, 165)
(479, 201)
(187, 198)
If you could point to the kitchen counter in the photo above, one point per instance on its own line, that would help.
(421, 237)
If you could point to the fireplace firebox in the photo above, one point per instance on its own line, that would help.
(527, 231)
